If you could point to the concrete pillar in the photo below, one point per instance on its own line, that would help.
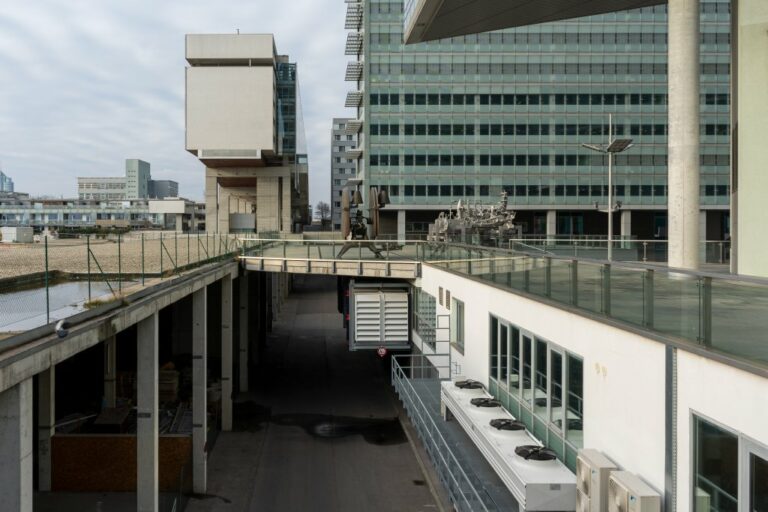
(244, 334)
(199, 391)
(46, 420)
(625, 228)
(16, 448)
(226, 353)
(401, 225)
(551, 225)
(702, 236)
(179, 222)
(147, 390)
(110, 372)
(224, 210)
(683, 16)
(749, 104)
(267, 202)
(211, 201)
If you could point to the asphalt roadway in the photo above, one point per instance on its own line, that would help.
(320, 431)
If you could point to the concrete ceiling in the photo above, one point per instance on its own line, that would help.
(438, 19)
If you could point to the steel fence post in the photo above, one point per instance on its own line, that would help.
(176, 250)
(161, 254)
(88, 256)
(119, 262)
(142, 259)
(47, 291)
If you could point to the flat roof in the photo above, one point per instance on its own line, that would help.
(428, 20)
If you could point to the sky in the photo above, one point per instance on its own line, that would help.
(86, 84)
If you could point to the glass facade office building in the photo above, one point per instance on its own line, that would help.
(469, 117)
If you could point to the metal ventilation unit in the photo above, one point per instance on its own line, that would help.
(379, 316)
(627, 492)
(592, 472)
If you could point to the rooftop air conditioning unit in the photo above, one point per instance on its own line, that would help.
(592, 472)
(628, 493)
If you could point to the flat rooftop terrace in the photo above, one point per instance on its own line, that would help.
(715, 314)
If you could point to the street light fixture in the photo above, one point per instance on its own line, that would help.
(614, 146)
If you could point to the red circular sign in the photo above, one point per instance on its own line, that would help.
(381, 351)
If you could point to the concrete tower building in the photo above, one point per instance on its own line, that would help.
(244, 123)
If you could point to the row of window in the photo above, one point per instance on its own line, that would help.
(536, 99)
(441, 160)
(539, 383)
(706, 8)
(520, 129)
(535, 68)
(543, 190)
(571, 38)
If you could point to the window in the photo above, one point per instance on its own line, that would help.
(457, 329)
(574, 409)
(494, 348)
(716, 466)
(503, 353)
(424, 316)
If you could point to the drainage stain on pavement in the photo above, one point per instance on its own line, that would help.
(252, 417)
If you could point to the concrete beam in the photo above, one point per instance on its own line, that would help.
(16, 448)
(46, 419)
(226, 353)
(147, 389)
(243, 317)
(199, 391)
(35, 356)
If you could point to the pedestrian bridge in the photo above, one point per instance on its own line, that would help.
(375, 258)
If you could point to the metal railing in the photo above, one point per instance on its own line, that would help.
(56, 277)
(624, 248)
(463, 490)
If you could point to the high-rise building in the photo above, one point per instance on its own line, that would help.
(342, 167)
(105, 188)
(160, 189)
(469, 117)
(244, 123)
(6, 183)
(137, 176)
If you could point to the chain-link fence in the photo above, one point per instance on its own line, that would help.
(56, 277)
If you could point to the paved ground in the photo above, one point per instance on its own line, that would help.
(320, 432)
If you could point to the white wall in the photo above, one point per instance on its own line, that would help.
(736, 399)
(231, 107)
(218, 47)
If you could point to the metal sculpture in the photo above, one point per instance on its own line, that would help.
(486, 222)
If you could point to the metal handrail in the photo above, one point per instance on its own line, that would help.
(398, 376)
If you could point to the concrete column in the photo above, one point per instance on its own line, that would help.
(401, 224)
(625, 228)
(46, 419)
(16, 448)
(244, 334)
(267, 202)
(179, 222)
(285, 204)
(199, 391)
(224, 211)
(110, 372)
(211, 201)
(551, 224)
(226, 353)
(147, 390)
(683, 16)
(702, 236)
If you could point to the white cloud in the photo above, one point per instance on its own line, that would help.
(88, 84)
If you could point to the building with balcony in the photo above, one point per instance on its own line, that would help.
(469, 117)
(244, 123)
(342, 167)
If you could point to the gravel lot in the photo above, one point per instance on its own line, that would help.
(71, 255)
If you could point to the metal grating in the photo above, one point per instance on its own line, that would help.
(354, 71)
(353, 126)
(354, 43)
(354, 16)
(354, 99)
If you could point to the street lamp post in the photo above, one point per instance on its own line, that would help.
(614, 146)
